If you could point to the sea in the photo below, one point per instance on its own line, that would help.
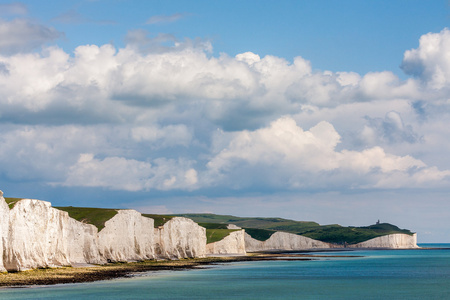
(359, 274)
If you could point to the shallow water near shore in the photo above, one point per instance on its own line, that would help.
(377, 274)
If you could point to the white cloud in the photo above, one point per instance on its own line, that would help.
(118, 173)
(302, 159)
(163, 137)
(390, 129)
(152, 100)
(430, 61)
(22, 36)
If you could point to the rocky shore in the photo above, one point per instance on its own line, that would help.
(63, 275)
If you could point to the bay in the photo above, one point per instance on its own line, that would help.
(374, 274)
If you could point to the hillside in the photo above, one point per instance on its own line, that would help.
(90, 215)
(262, 228)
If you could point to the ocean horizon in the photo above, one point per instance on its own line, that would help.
(353, 274)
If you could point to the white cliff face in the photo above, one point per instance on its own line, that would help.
(395, 241)
(41, 236)
(82, 243)
(283, 241)
(234, 243)
(35, 238)
(4, 228)
(180, 238)
(36, 235)
(128, 236)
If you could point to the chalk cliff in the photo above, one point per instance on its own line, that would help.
(180, 238)
(396, 241)
(234, 243)
(82, 243)
(4, 228)
(128, 236)
(283, 241)
(41, 236)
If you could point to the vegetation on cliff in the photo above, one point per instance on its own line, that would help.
(12, 201)
(160, 220)
(262, 228)
(216, 232)
(90, 215)
(259, 228)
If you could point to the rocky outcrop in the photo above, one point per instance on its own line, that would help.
(4, 228)
(128, 236)
(232, 244)
(393, 241)
(283, 241)
(41, 236)
(180, 238)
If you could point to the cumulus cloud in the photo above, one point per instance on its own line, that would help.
(170, 115)
(242, 92)
(306, 159)
(391, 129)
(163, 137)
(118, 173)
(430, 61)
(22, 36)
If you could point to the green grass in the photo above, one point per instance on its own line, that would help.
(261, 223)
(214, 235)
(160, 220)
(216, 231)
(259, 234)
(12, 201)
(353, 235)
(262, 228)
(90, 215)
(213, 225)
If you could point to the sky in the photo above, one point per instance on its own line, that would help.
(329, 111)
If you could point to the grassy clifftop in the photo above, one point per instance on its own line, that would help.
(90, 215)
(12, 201)
(160, 220)
(216, 231)
(353, 235)
(259, 228)
(262, 228)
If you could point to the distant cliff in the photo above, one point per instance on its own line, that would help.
(283, 241)
(234, 244)
(395, 241)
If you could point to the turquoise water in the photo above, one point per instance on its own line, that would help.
(382, 274)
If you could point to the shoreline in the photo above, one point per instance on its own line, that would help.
(65, 275)
(91, 273)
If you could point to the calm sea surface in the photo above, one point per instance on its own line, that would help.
(382, 274)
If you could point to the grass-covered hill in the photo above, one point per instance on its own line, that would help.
(262, 228)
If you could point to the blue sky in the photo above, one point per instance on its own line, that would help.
(330, 111)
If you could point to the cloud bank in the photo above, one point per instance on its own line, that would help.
(163, 114)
